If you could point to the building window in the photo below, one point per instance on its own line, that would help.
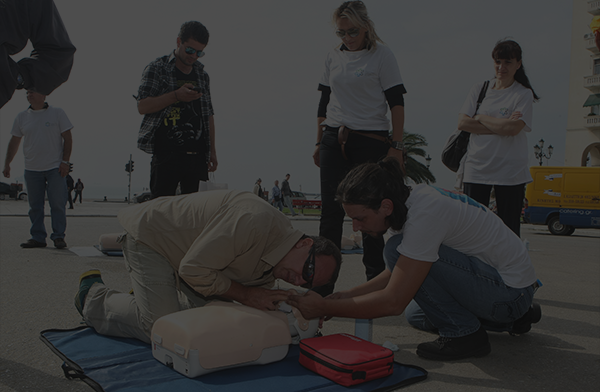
(596, 66)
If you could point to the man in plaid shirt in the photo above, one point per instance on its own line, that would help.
(178, 126)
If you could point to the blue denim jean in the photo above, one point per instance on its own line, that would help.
(461, 293)
(38, 184)
(289, 204)
(278, 204)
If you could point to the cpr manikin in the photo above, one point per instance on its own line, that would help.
(222, 335)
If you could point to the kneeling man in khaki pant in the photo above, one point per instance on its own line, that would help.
(183, 251)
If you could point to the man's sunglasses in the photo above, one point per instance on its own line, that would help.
(190, 50)
(352, 33)
(308, 271)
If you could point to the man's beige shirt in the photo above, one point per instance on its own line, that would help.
(213, 238)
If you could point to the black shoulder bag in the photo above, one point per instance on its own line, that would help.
(456, 146)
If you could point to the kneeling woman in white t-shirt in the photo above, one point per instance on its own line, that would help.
(498, 151)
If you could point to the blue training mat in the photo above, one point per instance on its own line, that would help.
(126, 365)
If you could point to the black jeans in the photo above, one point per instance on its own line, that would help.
(169, 170)
(509, 201)
(334, 167)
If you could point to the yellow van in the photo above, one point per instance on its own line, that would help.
(564, 198)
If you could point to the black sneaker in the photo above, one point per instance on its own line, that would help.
(451, 349)
(31, 243)
(60, 243)
(523, 325)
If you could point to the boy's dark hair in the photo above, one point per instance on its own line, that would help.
(368, 184)
(194, 30)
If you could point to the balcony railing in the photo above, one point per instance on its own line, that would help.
(590, 43)
(592, 122)
(594, 7)
(592, 83)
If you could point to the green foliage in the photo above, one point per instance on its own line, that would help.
(415, 170)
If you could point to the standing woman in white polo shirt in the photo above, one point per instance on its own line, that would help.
(498, 151)
(360, 81)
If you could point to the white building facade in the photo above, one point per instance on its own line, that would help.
(583, 124)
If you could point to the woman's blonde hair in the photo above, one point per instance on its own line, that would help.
(356, 12)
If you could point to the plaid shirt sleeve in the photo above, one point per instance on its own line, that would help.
(205, 105)
(156, 80)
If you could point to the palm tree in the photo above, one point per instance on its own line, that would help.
(415, 170)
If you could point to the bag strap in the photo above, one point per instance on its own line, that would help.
(482, 95)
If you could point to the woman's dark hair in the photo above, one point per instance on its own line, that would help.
(508, 49)
(194, 30)
(368, 184)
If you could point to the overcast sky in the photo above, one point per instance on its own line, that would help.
(265, 59)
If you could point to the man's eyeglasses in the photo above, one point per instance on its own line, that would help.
(352, 33)
(190, 50)
(308, 271)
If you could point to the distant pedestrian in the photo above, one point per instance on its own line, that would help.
(70, 188)
(47, 150)
(287, 194)
(276, 197)
(258, 191)
(78, 190)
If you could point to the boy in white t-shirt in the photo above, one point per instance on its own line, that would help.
(463, 266)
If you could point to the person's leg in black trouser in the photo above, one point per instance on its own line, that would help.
(361, 149)
(509, 200)
(333, 168)
(194, 169)
(478, 192)
(165, 174)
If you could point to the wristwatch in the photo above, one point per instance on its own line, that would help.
(398, 145)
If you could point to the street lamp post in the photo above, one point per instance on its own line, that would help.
(539, 151)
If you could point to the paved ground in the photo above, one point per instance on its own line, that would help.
(561, 353)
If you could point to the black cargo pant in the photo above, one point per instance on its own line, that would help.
(334, 167)
(172, 169)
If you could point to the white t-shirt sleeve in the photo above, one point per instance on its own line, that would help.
(63, 121)
(470, 103)
(16, 128)
(325, 77)
(389, 73)
(524, 105)
(423, 233)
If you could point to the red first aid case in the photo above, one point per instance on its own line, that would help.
(346, 359)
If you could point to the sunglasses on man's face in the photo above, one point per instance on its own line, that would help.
(308, 271)
(351, 33)
(190, 50)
